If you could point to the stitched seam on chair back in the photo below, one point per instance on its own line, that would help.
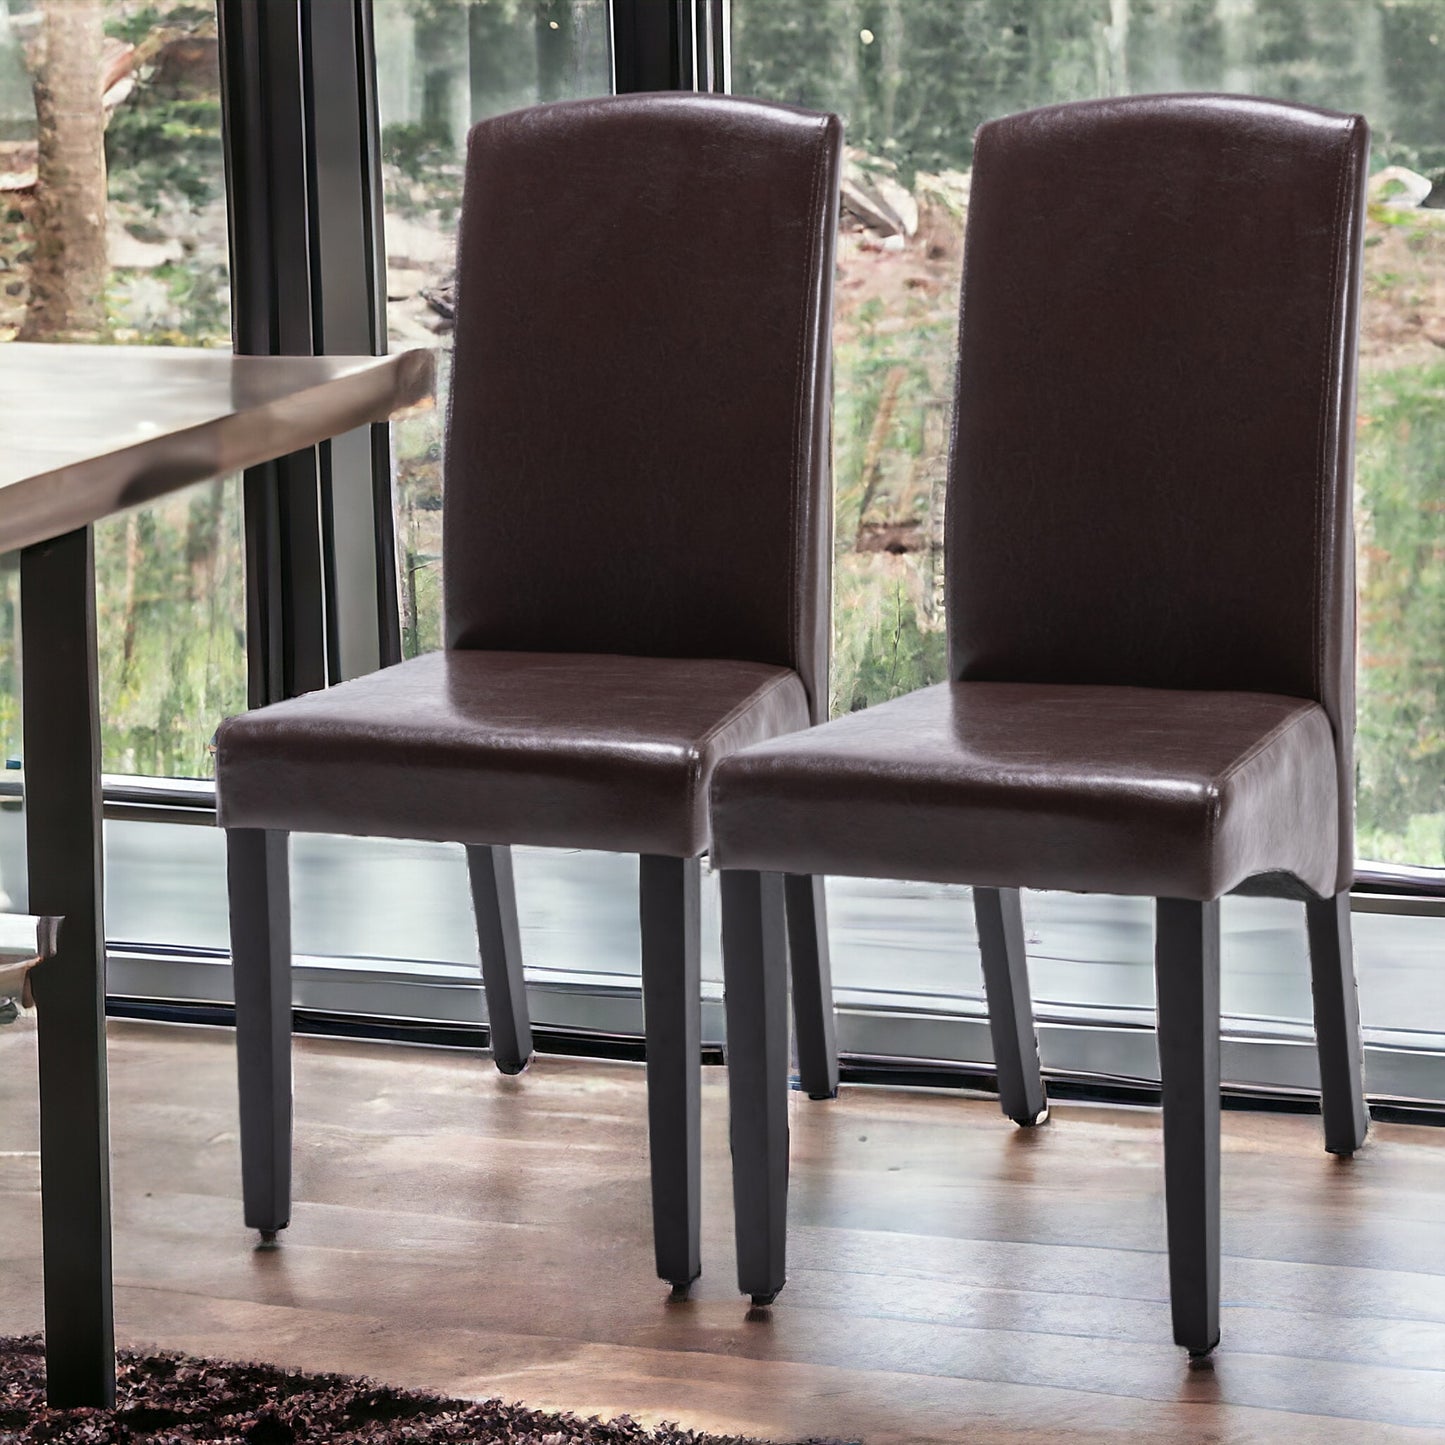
(803, 424)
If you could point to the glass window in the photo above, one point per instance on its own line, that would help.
(442, 66)
(913, 79)
(112, 196)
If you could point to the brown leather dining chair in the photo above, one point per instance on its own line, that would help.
(637, 535)
(1151, 618)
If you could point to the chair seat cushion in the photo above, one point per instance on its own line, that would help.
(554, 749)
(1094, 789)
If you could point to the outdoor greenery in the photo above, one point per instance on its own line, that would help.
(1401, 749)
(170, 585)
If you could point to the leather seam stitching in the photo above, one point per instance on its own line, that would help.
(950, 506)
(800, 481)
(1317, 619)
(749, 702)
(1217, 785)
(694, 772)
(1267, 741)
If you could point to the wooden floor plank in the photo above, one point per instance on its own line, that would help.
(952, 1278)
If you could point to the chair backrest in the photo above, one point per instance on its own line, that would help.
(1151, 472)
(638, 440)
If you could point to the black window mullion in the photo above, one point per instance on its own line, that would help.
(263, 134)
(388, 602)
(667, 45)
(303, 164)
(349, 268)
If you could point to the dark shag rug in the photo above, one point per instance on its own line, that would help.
(165, 1399)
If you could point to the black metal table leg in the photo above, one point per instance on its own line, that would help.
(60, 706)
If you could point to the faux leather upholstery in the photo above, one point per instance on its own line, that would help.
(637, 455)
(637, 523)
(553, 749)
(1150, 491)
(1153, 453)
(1114, 789)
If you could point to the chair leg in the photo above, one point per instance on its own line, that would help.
(812, 985)
(494, 900)
(670, 898)
(256, 871)
(755, 987)
(999, 916)
(1186, 969)
(1337, 1024)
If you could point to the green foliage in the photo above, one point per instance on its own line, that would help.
(160, 150)
(198, 305)
(884, 646)
(416, 147)
(1412, 129)
(9, 656)
(893, 368)
(434, 10)
(936, 69)
(428, 172)
(417, 446)
(170, 617)
(170, 597)
(1401, 751)
(163, 142)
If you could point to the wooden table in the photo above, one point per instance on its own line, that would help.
(87, 431)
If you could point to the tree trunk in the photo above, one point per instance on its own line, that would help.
(68, 272)
(441, 52)
(1114, 79)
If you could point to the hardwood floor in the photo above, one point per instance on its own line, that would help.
(952, 1277)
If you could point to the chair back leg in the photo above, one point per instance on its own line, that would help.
(1186, 968)
(755, 992)
(499, 940)
(260, 896)
(998, 912)
(670, 905)
(813, 1021)
(1337, 1024)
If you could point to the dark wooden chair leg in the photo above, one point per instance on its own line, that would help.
(812, 985)
(1337, 1024)
(670, 897)
(755, 988)
(1186, 968)
(998, 913)
(494, 900)
(257, 876)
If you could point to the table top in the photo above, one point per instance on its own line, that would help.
(86, 431)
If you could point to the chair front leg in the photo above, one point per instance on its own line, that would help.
(1186, 968)
(998, 912)
(1337, 1024)
(499, 940)
(812, 985)
(260, 896)
(670, 900)
(755, 991)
